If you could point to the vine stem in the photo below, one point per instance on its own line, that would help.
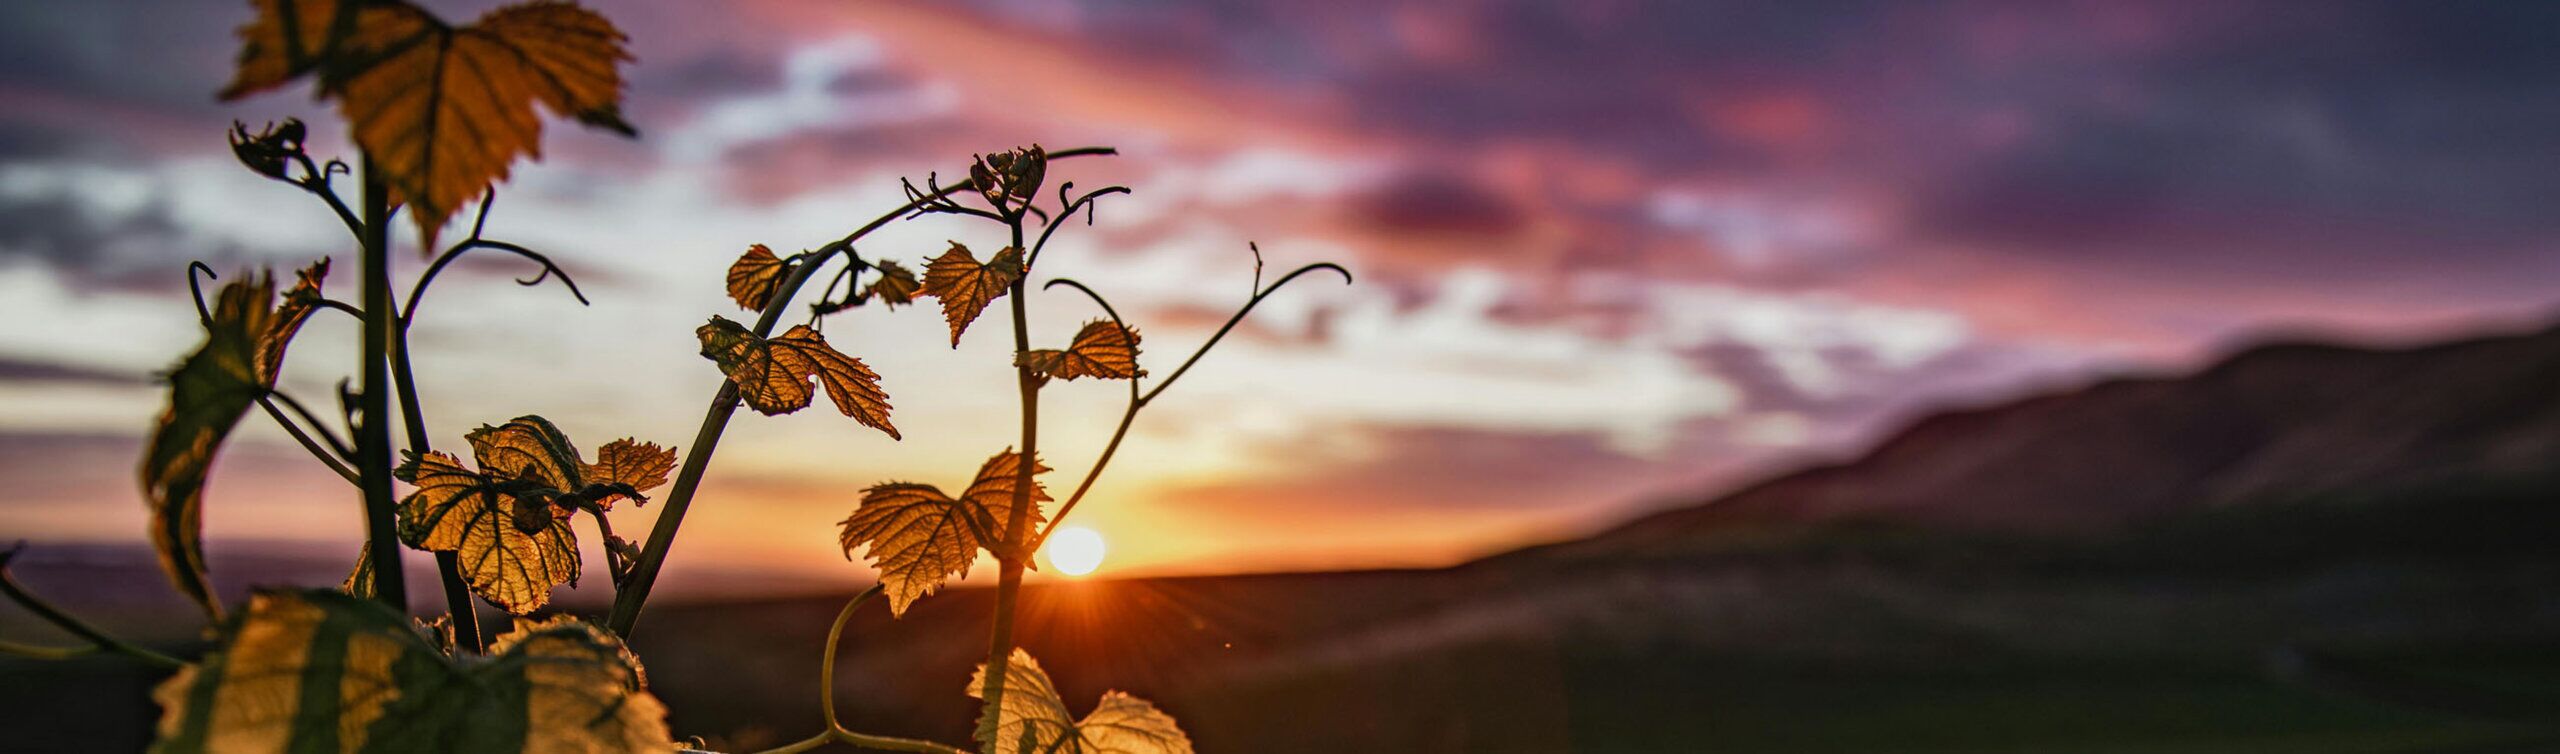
(98, 640)
(827, 665)
(373, 408)
(1010, 559)
(463, 617)
(1139, 401)
(628, 602)
(836, 732)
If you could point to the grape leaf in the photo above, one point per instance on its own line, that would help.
(509, 520)
(322, 671)
(773, 374)
(1103, 349)
(442, 110)
(965, 286)
(514, 545)
(919, 537)
(1033, 719)
(892, 285)
(244, 346)
(753, 278)
(642, 465)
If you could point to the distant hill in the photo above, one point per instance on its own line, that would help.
(2272, 425)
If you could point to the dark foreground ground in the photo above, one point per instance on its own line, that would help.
(2388, 630)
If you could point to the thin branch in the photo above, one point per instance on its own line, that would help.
(330, 303)
(549, 269)
(76, 627)
(628, 603)
(204, 314)
(1126, 418)
(1084, 202)
(1239, 317)
(315, 179)
(827, 664)
(46, 653)
(343, 450)
(335, 461)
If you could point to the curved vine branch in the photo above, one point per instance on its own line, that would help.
(1083, 202)
(1239, 317)
(628, 603)
(98, 640)
(1139, 401)
(549, 270)
(195, 288)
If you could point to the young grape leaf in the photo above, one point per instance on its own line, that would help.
(753, 278)
(514, 544)
(442, 110)
(1103, 349)
(1012, 176)
(509, 520)
(965, 286)
(1033, 719)
(773, 374)
(244, 348)
(321, 671)
(642, 465)
(919, 537)
(892, 285)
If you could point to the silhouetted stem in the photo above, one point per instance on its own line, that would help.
(1010, 556)
(1126, 418)
(464, 618)
(549, 270)
(328, 456)
(1137, 401)
(373, 408)
(76, 627)
(827, 665)
(634, 596)
(1239, 317)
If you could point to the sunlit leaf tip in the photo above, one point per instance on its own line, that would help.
(754, 277)
(1033, 719)
(774, 375)
(918, 537)
(891, 284)
(966, 286)
(1103, 350)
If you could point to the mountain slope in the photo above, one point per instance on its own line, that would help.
(2272, 424)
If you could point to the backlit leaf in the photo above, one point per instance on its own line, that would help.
(1102, 349)
(773, 374)
(919, 537)
(1033, 719)
(512, 543)
(643, 465)
(892, 285)
(965, 286)
(442, 110)
(753, 278)
(312, 671)
(208, 392)
(508, 521)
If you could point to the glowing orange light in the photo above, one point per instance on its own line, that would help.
(1074, 550)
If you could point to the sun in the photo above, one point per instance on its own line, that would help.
(1074, 550)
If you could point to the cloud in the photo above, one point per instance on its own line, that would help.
(20, 369)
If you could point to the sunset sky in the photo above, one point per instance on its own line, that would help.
(1611, 255)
